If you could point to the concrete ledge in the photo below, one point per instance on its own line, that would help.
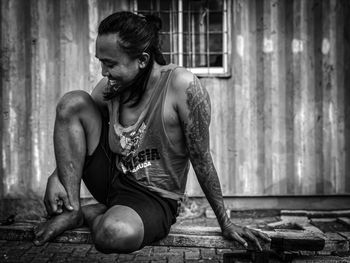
(185, 237)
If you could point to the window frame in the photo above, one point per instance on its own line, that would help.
(225, 69)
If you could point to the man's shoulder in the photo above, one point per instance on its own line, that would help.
(181, 79)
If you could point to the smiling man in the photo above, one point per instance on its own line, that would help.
(131, 142)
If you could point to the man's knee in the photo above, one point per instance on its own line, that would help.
(117, 237)
(73, 103)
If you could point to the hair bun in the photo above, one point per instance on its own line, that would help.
(155, 21)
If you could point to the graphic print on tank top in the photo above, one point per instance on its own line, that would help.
(132, 160)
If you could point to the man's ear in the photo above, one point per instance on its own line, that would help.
(144, 60)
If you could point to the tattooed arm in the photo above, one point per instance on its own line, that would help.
(193, 107)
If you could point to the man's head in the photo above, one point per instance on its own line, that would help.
(127, 45)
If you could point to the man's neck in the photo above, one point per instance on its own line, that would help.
(151, 83)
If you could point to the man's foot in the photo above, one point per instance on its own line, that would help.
(56, 226)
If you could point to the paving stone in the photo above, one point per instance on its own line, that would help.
(146, 251)
(209, 261)
(192, 255)
(126, 257)
(151, 257)
(192, 261)
(307, 253)
(176, 259)
(210, 254)
(223, 251)
(66, 249)
(320, 259)
(58, 260)
(336, 242)
(160, 250)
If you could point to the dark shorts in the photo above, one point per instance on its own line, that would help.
(110, 188)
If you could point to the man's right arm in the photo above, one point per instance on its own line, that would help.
(55, 195)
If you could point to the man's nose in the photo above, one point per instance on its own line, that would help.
(105, 71)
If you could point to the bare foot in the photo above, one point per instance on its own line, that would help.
(56, 226)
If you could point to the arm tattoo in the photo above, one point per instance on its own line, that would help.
(197, 140)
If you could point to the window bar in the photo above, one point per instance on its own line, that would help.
(180, 31)
(192, 39)
(189, 35)
(158, 8)
(170, 36)
(135, 6)
(225, 29)
(207, 34)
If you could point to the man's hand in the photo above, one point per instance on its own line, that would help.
(244, 234)
(56, 198)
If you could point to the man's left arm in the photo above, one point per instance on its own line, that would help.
(195, 113)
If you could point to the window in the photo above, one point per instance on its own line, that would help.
(194, 34)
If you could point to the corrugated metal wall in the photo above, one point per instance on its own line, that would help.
(280, 124)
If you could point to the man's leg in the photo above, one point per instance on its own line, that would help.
(119, 230)
(76, 133)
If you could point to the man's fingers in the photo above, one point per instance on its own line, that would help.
(48, 207)
(253, 238)
(53, 206)
(262, 235)
(237, 237)
(253, 234)
(67, 203)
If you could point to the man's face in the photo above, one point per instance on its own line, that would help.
(116, 64)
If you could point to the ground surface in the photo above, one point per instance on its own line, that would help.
(337, 246)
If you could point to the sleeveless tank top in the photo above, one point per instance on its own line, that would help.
(144, 152)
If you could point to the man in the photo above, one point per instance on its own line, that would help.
(131, 142)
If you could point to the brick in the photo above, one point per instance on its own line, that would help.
(66, 249)
(307, 253)
(41, 260)
(320, 259)
(126, 257)
(223, 251)
(15, 251)
(336, 242)
(58, 260)
(207, 253)
(151, 257)
(146, 251)
(24, 245)
(210, 254)
(160, 250)
(176, 259)
(209, 261)
(76, 259)
(192, 255)
(61, 255)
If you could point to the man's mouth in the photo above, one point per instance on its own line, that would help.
(112, 82)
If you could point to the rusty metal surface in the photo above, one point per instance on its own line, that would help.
(280, 124)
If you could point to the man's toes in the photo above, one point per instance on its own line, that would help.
(39, 230)
(43, 237)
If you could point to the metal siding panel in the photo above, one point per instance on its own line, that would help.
(280, 125)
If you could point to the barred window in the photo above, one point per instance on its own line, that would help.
(194, 34)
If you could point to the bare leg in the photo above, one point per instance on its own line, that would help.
(119, 230)
(90, 212)
(77, 132)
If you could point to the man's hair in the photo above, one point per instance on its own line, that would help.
(137, 34)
